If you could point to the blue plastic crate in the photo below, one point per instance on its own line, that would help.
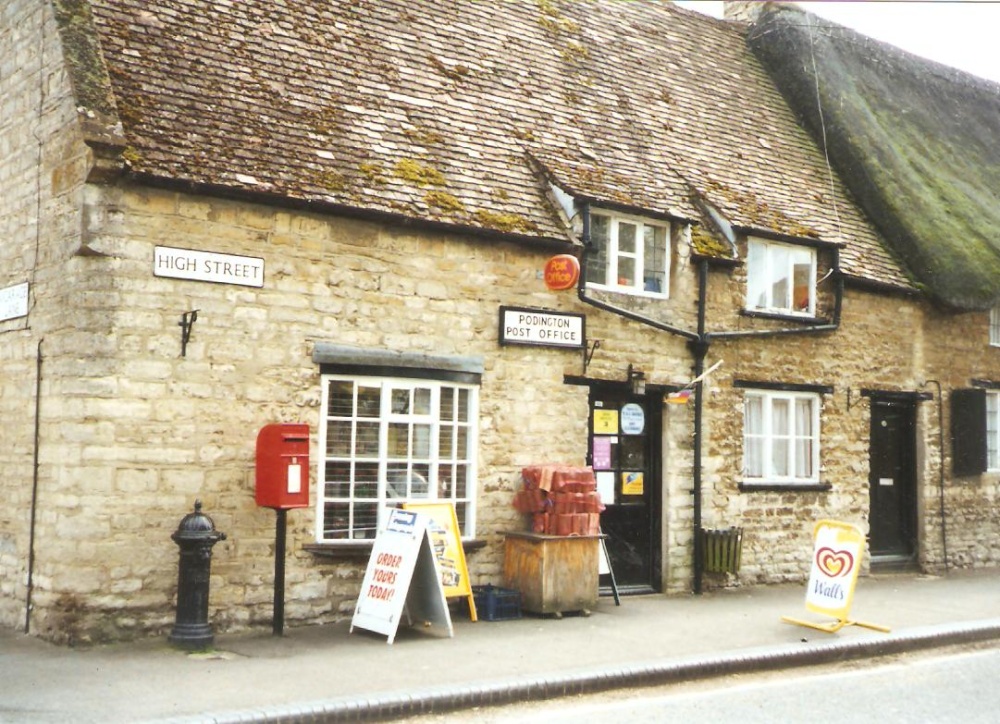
(496, 604)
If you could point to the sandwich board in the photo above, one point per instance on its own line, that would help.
(401, 577)
(446, 539)
(837, 552)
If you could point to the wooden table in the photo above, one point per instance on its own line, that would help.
(555, 574)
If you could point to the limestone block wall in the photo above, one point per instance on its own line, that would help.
(44, 162)
(141, 432)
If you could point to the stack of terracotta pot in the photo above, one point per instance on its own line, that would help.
(561, 499)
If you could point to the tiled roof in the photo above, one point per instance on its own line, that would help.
(446, 111)
(916, 142)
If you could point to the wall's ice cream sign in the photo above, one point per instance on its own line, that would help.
(837, 552)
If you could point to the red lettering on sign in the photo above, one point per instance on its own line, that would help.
(562, 272)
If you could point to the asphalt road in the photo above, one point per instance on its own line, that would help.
(942, 686)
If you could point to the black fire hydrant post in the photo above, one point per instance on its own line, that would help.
(195, 536)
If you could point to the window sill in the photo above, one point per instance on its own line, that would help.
(784, 316)
(765, 487)
(362, 549)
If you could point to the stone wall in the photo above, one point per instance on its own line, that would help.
(145, 431)
(40, 181)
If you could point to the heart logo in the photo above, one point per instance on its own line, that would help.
(834, 563)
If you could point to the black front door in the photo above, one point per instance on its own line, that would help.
(892, 481)
(625, 453)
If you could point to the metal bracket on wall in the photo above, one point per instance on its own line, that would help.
(187, 322)
(588, 354)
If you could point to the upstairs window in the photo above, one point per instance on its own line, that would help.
(630, 255)
(388, 441)
(781, 278)
(781, 437)
(995, 326)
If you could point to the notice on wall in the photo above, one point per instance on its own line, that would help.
(446, 540)
(601, 453)
(633, 484)
(402, 578)
(605, 422)
(208, 266)
(14, 301)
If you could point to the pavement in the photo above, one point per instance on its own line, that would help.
(329, 674)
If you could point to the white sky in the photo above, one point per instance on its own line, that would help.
(961, 33)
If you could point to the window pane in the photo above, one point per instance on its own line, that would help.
(463, 406)
(654, 259)
(626, 238)
(461, 480)
(338, 438)
(365, 521)
(445, 440)
(597, 259)
(338, 480)
(396, 480)
(398, 440)
(421, 401)
(462, 449)
(779, 417)
(337, 520)
(779, 457)
(420, 481)
(421, 441)
(369, 401)
(366, 444)
(802, 289)
(340, 399)
(447, 403)
(626, 272)
(366, 480)
(445, 481)
(400, 402)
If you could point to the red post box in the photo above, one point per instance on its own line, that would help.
(283, 466)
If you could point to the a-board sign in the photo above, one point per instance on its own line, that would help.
(838, 549)
(401, 578)
(446, 539)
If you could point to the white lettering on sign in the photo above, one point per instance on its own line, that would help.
(208, 266)
(14, 301)
(526, 326)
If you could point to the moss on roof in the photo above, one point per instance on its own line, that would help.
(915, 141)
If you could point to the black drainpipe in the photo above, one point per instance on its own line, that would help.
(699, 348)
(34, 490)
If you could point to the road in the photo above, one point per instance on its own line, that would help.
(942, 686)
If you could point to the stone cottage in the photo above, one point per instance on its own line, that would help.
(219, 216)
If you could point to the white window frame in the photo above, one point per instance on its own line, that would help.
(613, 255)
(993, 431)
(771, 263)
(423, 461)
(767, 450)
(995, 327)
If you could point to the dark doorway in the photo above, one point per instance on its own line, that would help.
(892, 537)
(624, 449)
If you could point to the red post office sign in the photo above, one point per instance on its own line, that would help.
(562, 272)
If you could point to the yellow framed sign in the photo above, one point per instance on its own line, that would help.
(838, 549)
(446, 539)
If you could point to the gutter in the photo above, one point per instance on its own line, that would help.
(34, 491)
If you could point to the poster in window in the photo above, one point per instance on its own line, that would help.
(606, 487)
(605, 422)
(602, 453)
(632, 484)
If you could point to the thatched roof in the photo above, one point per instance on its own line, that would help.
(461, 113)
(916, 142)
